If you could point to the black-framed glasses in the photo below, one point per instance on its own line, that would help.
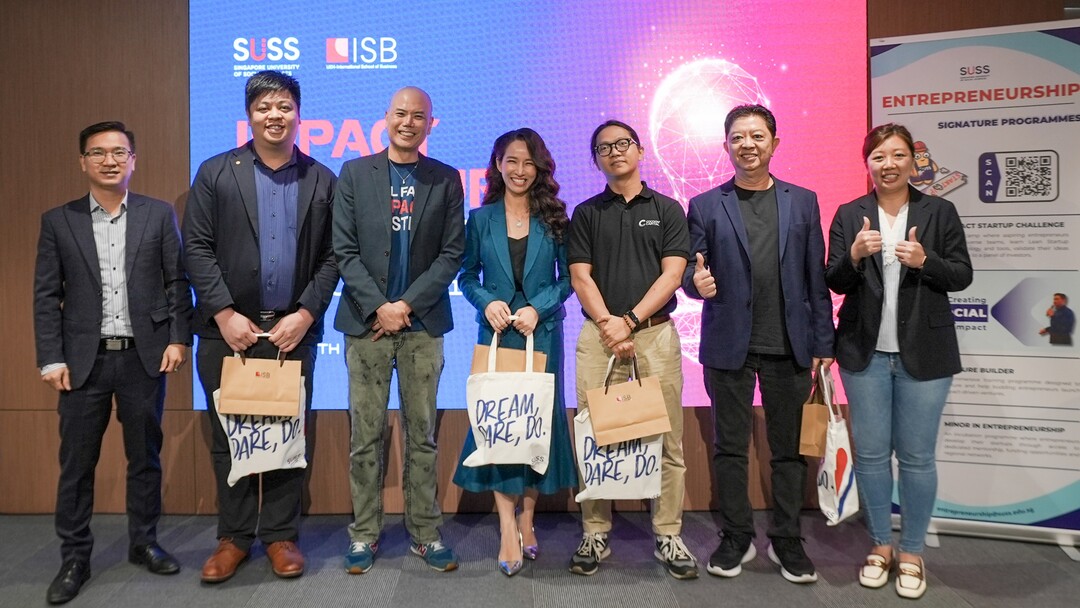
(622, 145)
(97, 155)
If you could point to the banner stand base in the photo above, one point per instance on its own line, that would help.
(932, 540)
(1071, 551)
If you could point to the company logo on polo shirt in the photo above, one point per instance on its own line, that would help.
(970, 313)
(257, 53)
(361, 53)
(644, 223)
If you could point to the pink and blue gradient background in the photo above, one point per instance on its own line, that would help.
(562, 69)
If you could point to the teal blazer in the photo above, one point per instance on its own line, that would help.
(487, 276)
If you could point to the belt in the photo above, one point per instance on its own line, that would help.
(653, 321)
(270, 315)
(117, 343)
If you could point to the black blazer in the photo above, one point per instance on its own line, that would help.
(928, 345)
(221, 240)
(362, 242)
(67, 286)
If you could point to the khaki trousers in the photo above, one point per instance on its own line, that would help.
(659, 354)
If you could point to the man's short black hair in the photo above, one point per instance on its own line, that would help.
(750, 109)
(102, 127)
(269, 81)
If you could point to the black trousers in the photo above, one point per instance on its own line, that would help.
(282, 490)
(84, 416)
(784, 388)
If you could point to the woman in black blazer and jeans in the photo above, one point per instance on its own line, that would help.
(895, 254)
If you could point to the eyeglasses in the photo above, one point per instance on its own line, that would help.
(622, 145)
(120, 155)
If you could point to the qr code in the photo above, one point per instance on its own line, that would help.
(1019, 177)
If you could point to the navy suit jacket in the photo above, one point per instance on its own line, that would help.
(925, 327)
(362, 242)
(67, 286)
(486, 249)
(221, 237)
(717, 232)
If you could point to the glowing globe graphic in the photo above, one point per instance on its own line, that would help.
(686, 130)
(686, 122)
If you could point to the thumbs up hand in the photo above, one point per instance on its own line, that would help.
(703, 279)
(911, 252)
(867, 242)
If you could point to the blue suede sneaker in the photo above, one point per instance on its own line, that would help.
(437, 555)
(361, 557)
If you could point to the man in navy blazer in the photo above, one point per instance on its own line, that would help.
(767, 317)
(260, 257)
(399, 236)
(112, 310)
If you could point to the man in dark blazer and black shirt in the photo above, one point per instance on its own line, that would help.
(112, 312)
(767, 318)
(259, 254)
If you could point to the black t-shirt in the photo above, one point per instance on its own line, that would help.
(625, 242)
(518, 248)
(768, 333)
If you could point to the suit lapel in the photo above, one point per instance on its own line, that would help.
(497, 236)
(783, 212)
(242, 163)
(536, 232)
(380, 168)
(919, 214)
(137, 216)
(424, 169)
(730, 203)
(82, 230)
(305, 189)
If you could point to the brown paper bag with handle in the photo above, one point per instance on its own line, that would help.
(627, 410)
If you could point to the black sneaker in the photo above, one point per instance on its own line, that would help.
(734, 551)
(678, 559)
(590, 552)
(787, 552)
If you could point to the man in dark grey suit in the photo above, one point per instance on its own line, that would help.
(112, 313)
(399, 237)
(260, 257)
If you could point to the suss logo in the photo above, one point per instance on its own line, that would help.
(266, 49)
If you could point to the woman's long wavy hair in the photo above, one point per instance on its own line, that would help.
(544, 201)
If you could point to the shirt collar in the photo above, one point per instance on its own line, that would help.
(610, 195)
(94, 205)
(292, 159)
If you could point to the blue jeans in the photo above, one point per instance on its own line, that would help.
(892, 412)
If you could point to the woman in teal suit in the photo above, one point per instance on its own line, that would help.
(515, 265)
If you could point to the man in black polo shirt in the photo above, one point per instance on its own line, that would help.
(628, 248)
(767, 318)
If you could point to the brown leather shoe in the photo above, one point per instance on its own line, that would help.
(221, 566)
(286, 559)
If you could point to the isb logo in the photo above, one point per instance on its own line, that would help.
(367, 51)
(273, 48)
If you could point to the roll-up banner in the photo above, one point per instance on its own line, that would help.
(996, 118)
